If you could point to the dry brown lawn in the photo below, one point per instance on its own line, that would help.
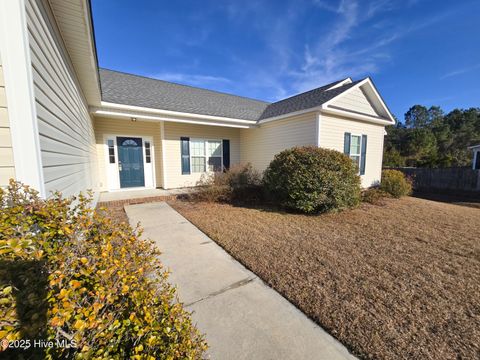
(399, 281)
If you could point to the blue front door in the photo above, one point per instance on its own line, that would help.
(130, 162)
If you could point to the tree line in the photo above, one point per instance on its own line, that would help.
(430, 138)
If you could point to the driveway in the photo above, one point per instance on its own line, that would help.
(241, 316)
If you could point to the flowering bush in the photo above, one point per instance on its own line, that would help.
(96, 284)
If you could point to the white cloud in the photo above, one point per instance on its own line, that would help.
(460, 71)
(191, 79)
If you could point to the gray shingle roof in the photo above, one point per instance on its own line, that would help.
(136, 90)
(127, 89)
(306, 100)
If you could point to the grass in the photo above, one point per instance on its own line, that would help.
(399, 281)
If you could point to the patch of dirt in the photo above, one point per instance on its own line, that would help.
(116, 212)
(399, 281)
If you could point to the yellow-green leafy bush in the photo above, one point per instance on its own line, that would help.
(311, 180)
(395, 183)
(95, 282)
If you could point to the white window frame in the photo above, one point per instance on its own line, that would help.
(206, 141)
(360, 150)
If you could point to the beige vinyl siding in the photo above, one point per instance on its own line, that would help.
(357, 101)
(66, 134)
(332, 132)
(7, 168)
(259, 145)
(173, 133)
(118, 127)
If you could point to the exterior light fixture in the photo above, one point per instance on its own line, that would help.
(134, 119)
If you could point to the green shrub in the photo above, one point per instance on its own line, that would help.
(240, 183)
(310, 180)
(96, 283)
(395, 183)
(374, 196)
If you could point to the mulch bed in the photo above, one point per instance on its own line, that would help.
(399, 281)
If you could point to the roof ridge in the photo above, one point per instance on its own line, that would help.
(189, 86)
(315, 89)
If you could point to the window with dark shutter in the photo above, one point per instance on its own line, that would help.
(346, 144)
(185, 149)
(363, 156)
(226, 154)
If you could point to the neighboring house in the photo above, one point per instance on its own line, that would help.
(476, 157)
(67, 125)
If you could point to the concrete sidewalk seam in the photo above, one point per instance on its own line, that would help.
(235, 285)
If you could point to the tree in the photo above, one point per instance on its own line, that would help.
(416, 117)
(430, 137)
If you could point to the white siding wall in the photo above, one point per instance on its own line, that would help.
(355, 100)
(332, 132)
(260, 145)
(7, 169)
(106, 126)
(66, 132)
(173, 133)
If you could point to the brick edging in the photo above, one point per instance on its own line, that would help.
(139, 200)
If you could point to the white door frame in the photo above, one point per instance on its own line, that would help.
(111, 169)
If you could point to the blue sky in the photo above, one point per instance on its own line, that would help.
(416, 51)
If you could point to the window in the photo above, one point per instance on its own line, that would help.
(214, 153)
(206, 155)
(355, 149)
(148, 158)
(129, 142)
(198, 155)
(111, 151)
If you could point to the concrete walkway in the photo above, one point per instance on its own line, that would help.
(241, 316)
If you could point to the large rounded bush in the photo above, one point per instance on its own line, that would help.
(395, 183)
(310, 180)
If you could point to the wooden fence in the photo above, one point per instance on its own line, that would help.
(458, 178)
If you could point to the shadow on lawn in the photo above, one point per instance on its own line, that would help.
(29, 283)
(469, 199)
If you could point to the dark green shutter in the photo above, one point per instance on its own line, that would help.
(185, 146)
(363, 158)
(226, 154)
(346, 144)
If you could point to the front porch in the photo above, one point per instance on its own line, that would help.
(143, 157)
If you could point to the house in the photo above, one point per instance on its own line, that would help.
(67, 125)
(476, 157)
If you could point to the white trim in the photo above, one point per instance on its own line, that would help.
(341, 83)
(369, 82)
(115, 181)
(173, 113)
(324, 108)
(295, 113)
(475, 155)
(17, 68)
(325, 104)
(162, 139)
(318, 130)
(356, 116)
(159, 118)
